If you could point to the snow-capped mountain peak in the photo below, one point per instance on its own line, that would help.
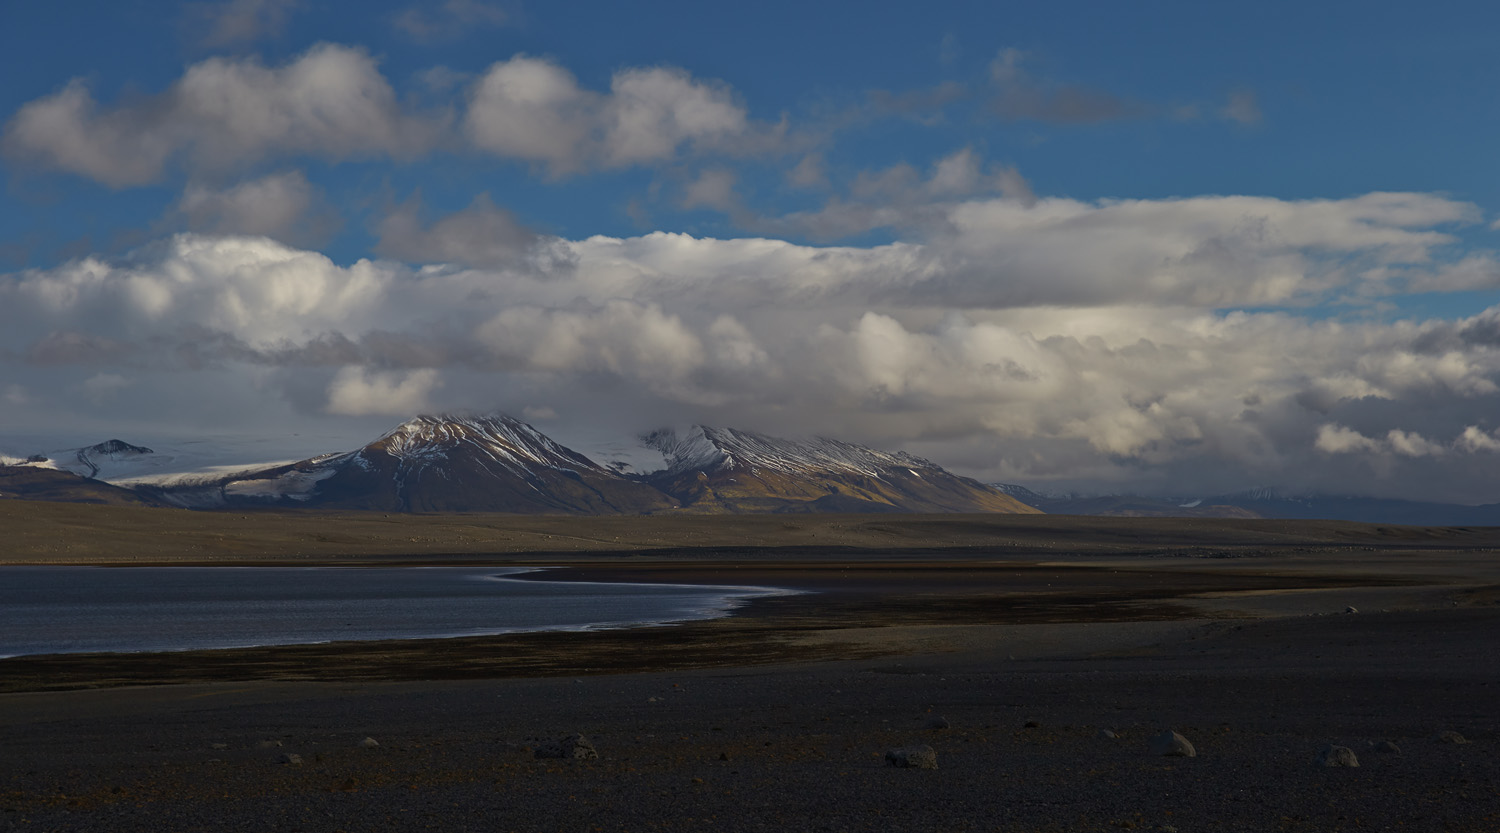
(705, 448)
(504, 440)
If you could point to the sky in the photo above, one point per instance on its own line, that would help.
(1171, 248)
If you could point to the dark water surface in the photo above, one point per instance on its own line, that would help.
(51, 610)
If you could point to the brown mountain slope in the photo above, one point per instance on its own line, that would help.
(34, 483)
(727, 470)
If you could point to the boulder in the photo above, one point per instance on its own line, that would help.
(291, 759)
(912, 757)
(1106, 734)
(369, 743)
(936, 722)
(1385, 747)
(1337, 756)
(1172, 745)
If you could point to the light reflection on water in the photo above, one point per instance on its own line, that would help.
(48, 610)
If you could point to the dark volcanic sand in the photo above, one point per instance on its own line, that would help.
(721, 741)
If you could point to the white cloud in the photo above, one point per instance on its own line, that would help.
(1338, 439)
(1474, 439)
(356, 391)
(1055, 342)
(330, 102)
(533, 109)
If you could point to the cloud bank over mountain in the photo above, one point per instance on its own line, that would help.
(1043, 340)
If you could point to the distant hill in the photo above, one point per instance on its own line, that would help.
(31, 482)
(1264, 503)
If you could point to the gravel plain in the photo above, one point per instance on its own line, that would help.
(780, 718)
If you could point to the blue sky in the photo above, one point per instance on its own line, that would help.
(1160, 246)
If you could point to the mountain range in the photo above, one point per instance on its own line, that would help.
(499, 464)
(1262, 503)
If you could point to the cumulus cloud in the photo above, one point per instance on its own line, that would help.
(898, 197)
(1045, 342)
(283, 206)
(534, 110)
(356, 391)
(453, 18)
(1475, 439)
(331, 102)
(481, 235)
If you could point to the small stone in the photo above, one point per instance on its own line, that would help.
(1032, 724)
(1449, 737)
(1337, 756)
(291, 759)
(723, 756)
(1172, 745)
(1351, 609)
(936, 722)
(572, 747)
(1106, 734)
(369, 743)
(218, 746)
(1385, 747)
(912, 757)
(268, 744)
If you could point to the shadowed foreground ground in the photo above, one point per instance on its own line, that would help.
(778, 718)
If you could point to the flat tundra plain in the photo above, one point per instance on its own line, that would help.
(1037, 657)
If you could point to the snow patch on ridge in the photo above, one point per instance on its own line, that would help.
(704, 448)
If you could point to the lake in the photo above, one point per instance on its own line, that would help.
(50, 610)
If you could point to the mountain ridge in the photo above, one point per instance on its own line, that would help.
(495, 463)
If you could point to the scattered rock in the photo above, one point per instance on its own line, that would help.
(1337, 756)
(1172, 745)
(1449, 737)
(1385, 747)
(912, 757)
(1107, 734)
(937, 721)
(369, 743)
(291, 759)
(572, 747)
(268, 744)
